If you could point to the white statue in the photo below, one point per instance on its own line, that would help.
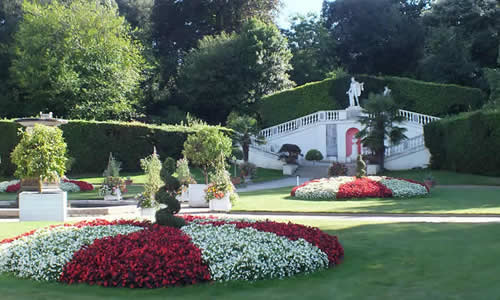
(354, 92)
(387, 91)
(354, 153)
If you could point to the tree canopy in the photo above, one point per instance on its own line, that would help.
(231, 71)
(77, 60)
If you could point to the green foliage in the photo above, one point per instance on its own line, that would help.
(314, 155)
(337, 169)
(423, 97)
(113, 168)
(77, 59)
(41, 153)
(493, 77)
(466, 143)
(220, 185)
(375, 37)
(379, 124)
(231, 71)
(245, 127)
(163, 217)
(207, 149)
(248, 169)
(10, 138)
(112, 180)
(167, 194)
(183, 172)
(360, 167)
(312, 47)
(174, 37)
(151, 165)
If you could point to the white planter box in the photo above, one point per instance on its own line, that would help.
(223, 204)
(197, 195)
(184, 197)
(49, 206)
(372, 169)
(289, 169)
(149, 212)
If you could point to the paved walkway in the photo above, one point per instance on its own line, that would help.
(273, 184)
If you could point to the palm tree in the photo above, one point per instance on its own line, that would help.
(379, 125)
(245, 129)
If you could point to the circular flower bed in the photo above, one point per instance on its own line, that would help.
(346, 187)
(139, 254)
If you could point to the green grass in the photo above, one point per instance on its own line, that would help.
(382, 261)
(445, 177)
(475, 200)
(90, 195)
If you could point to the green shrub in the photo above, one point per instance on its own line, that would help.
(163, 217)
(90, 142)
(152, 168)
(337, 169)
(167, 195)
(8, 140)
(466, 143)
(330, 94)
(314, 155)
(41, 153)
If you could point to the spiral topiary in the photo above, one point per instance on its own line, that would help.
(167, 195)
(360, 167)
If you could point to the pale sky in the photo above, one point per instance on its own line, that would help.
(293, 7)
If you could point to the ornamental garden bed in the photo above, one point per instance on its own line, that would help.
(348, 187)
(139, 254)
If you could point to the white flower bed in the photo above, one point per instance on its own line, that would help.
(5, 184)
(248, 254)
(325, 188)
(69, 187)
(404, 189)
(42, 256)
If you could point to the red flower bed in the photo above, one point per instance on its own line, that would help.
(327, 243)
(96, 222)
(155, 257)
(292, 193)
(363, 188)
(83, 185)
(13, 188)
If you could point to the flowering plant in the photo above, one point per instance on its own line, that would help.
(220, 185)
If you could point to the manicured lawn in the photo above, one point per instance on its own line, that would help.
(90, 195)
(140, 178)
(445, 177)
(383, 261)
(442, 200)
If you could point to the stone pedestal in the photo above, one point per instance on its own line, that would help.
(289, 169)
(47, 206)
(197, 195)
(354, 112)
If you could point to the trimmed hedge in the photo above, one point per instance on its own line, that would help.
(330, 94)
(90, 142)
(466, 143)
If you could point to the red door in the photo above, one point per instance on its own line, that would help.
(348, 141)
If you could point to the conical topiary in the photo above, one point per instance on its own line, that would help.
(167, 195)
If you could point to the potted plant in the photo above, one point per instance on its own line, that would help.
(40, 157)
(113, 186)
(289, 153)
(219, 190)
(151, 166)
(208, 149)
(185, 178)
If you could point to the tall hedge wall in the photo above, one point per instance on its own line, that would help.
(90, 143)
(330, 94)
(466, 143)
